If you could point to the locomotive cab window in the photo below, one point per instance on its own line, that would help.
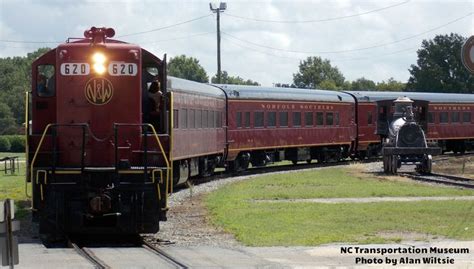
(45, 81)
(466, 117)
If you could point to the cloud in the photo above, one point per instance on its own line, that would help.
(54, 20)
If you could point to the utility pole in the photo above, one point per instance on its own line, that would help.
(218, 10)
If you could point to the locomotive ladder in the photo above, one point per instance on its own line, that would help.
(154, 170)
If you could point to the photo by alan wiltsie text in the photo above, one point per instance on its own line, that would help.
(403, 255)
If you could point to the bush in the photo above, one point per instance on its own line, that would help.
(17, 143)
(4, 143)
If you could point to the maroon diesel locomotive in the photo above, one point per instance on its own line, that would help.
(101, 147)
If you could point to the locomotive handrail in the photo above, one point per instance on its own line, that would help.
(83, 125)
(155, 134)
(27, 128)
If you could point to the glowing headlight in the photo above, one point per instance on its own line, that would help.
(99, 62)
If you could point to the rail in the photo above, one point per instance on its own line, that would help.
(442, 179)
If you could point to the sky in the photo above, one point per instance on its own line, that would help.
(261, 40)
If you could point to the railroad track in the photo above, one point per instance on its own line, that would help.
(90, 256)
(441, 179)
(139, 255)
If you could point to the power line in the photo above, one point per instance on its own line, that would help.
(29, 41)
(166, 27)
(177, 38)
(334, 60)
(318, 20)
(351, 50)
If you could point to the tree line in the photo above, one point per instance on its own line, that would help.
(438, 69)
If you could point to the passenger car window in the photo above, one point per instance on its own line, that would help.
(455, 116)
(191, 120)
(258, 119)
(308, 119)
(183, 117)
(175, 119)
(443, 117)
(45, 81)
(283, 119)
(198, 118)
(466, 117)
(296, 118)
(319, 118)
(369, 118)
(247, 119)
(271, 119)
(238, 119)
(329, 118)
(431, 116)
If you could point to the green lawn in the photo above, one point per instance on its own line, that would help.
(13, 186)
(268, 224)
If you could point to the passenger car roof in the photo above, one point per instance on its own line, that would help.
(246, 92)
(374, 96)
(187, 86)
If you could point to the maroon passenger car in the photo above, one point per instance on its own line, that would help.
(274, 124)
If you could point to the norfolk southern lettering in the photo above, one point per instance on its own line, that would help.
(403, 250)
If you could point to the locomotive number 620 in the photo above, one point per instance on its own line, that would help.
(122, 69)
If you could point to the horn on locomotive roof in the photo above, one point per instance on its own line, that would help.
(98, 35)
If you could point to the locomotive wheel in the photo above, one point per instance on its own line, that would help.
(385, 164)
(394, 164)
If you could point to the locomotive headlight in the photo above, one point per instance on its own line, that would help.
(99, 62)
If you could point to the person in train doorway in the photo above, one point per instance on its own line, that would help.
(154, 103)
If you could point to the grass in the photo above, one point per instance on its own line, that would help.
(12, 186)
(269, 224)
(330, 183)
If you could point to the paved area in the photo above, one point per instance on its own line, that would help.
(34, 255)
(368, 199)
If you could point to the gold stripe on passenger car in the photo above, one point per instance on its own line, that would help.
(289, 102)
(196, 155)
(292, 146)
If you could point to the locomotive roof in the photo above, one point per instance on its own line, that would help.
(289, 94)
(374, 96)
(187, 86)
